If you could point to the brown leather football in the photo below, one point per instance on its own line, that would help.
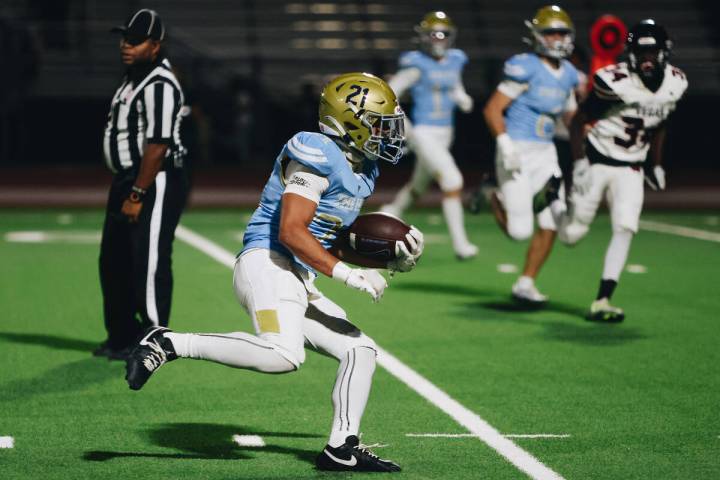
(374, 235)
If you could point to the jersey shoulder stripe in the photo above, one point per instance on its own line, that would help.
(678, 78)
(520, 68)
(603, 90)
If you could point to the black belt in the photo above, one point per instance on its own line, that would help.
(596, 157)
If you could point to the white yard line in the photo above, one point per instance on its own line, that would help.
(472, 435)
(7, 442)
(471, 421)
(255, 441)
(679, 230)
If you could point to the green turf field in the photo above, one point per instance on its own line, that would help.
(637, 400)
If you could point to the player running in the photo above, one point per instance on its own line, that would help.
(316, 190)
(537, 88)
(628, 110)
(433, 76)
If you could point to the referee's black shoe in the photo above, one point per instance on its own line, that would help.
(353, 457)
(152, 352)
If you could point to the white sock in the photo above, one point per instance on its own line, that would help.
(350, 395)
(453, 211)
(237, 349)
(616, 254)
(525, 282)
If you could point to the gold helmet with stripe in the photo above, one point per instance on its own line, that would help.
(362, 113)
(436, 33)
(550, 21)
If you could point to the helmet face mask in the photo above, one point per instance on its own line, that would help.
(362, 113)
(436, 34)
(387, 134)
(552, 32)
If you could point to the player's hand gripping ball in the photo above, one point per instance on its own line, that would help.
(383, 237)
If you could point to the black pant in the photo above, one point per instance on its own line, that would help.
(135, 258)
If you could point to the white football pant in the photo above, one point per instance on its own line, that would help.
(288, 313)
(623, 189)
(539, 163)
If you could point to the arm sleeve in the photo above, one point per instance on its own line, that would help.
(517, 73)
(512, 89)
(162, 103)
(404, 79)
(305, 182)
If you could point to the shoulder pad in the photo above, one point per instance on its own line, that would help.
(313, 150)
(458, 54)
(520, 67)
(410, 59)
(678, 77)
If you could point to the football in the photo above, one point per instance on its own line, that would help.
(373, 235)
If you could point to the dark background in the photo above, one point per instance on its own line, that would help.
(252, 71)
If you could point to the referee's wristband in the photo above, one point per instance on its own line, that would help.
(137, 194)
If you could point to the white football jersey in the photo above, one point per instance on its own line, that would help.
(624, 131)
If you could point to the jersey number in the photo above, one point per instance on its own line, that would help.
(634, 129)
(357, 89)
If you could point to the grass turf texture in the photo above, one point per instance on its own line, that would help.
(638, 399)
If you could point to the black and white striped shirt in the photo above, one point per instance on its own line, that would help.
(145, 109)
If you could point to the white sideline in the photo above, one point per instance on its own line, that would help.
(475, 425)
(7, 442)
(679, 230)
(471, 435)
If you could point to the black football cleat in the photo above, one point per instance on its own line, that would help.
(353, 457)
(151, 353)
(106, 350)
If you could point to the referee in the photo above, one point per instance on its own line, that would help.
(142, 147)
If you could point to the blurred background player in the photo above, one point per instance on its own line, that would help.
(317, 187)
(521, 113)
(627, 108)
(433, 75)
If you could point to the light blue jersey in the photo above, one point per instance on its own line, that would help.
(432, 101)
(339, 204)
(531, 116)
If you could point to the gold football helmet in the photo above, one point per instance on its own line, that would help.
(548, 20)
(362, 112)
(436, 33)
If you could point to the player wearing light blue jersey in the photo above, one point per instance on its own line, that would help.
(315, 192)
(538, 87)
(433, 76)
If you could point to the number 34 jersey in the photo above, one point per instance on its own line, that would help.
(624, 130)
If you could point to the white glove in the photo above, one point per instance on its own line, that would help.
(405, 260)
(464, 101)
(510, 157)
(582, 176)
(365, 280)
(659, 174)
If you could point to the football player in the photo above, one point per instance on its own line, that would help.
(432, 74)
(627, 109)
(521, 113)
(316, 190)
